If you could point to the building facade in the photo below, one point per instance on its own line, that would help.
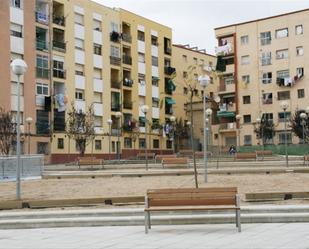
(263, 63)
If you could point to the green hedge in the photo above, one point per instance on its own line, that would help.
(293, 149)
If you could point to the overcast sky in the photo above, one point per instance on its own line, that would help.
(193, 21)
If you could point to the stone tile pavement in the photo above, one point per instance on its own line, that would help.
(253, 236)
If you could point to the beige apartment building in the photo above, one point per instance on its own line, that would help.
(264, 62)
(84, 54)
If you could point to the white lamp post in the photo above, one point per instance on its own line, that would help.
(118, 115)
(172, 119)
(29, 121)
(208, 113)
(109, 122)
(204, 80)
(217, 100)
(284, 105)
(145, 109)
(19, 67)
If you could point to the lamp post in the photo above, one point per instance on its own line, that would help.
(109, 122)
(284, 105)
(303, 117)
(19, 67)
(204, 81)
(172, 119)
(29, 121)
(118, 115)
(217, 100)
(238, 118)
(145, 109)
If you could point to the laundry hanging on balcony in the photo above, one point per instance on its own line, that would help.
(60, 101)
(291, 81)
(171, 86)
(224, 50)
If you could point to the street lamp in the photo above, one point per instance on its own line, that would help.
(238, 118)
(29, 121)
(109, 122)
(118, 115)
(208, 113)
(172, 119)
(145, 109)
(19, 67)
(204, 80)
(284, 105)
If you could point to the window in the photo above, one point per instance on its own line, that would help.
(283, 95)
(169, 144)
(247, 119)
(14, 117)
(16, 30)
(113, 146)
(97, 97)
(267, 116)
(282, 75)
(155, 102)
(142, 122)
(244, 40)
(229, 79)
(59, 121)
(58, 69)
(267, 78)
(78, 19)
(140, 35)
(79, 44)
(155, 81)
(60, 143)
(98, 121)
(154, 61)
(299, 30)
(184, 59)
(42, 122)
(115, 52)
(97, 25)
(98, 144)
(128, 142)
(156, 144)
(97, 73)
(281, 33)
(299, 51)
(246, 99)
(141, 79)
(301, 93)
(265, 38)
(42, 66)
(247, 140)
(245, 60)
(285, 136)
(246, 79)
(42, 89)
(97, 49)
(195, 61)
(282, 54)
(300, 72)
(16, 3)
(154, 40)
(141, 57)
(42, 148)
(114, 27)
(267, 98)
(79, 69)
(14, 88)
(185, 90)
(79, 94)
(16, 56)
(281, 116)
(141, 143)
(266, 58)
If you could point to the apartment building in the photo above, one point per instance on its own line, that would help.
(184, 58)
(84, 54)
(263, 63)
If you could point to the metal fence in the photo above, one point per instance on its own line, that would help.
(30, 166)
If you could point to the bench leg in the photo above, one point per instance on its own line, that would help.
(146, 222)
(238, 221)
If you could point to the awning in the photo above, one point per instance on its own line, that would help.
(170, 101)
(225, 114)
(171, 86)
(155, 78)
(230, 95)
(155, 99)
(142, 119)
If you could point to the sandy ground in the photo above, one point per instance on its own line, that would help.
(130, 186)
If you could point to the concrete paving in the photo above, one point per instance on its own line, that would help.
(253, 236)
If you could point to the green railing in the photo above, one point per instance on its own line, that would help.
(292, 149)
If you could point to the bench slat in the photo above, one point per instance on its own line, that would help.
(190, 202)
(190, 195)
(193, 190)
(193, 208)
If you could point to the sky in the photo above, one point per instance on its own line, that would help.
(193, 21)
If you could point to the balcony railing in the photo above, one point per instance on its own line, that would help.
(128, 105)
(115, 84)
(41, 18)
(126, 37)
(59, 73)
(126, 59)
(227, 126)
(127, 82)
(115, 107)
(169, 70)
(41, 45)
(59, 20)
(115, 36)
(42, 73)
(115, 60)
(59, 46)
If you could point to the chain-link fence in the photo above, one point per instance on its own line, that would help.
(30, 166)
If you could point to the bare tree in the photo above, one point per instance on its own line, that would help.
(80, 127)
(7, 132)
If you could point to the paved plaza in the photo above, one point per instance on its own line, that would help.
(270, 236)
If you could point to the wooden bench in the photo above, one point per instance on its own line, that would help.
(306, 159)
(262, 153)
(177, 161)
(160, 157)
(192, 199)
(186, 153)
(200, 154)
(81, 161)
(143, 155)
(245, 155)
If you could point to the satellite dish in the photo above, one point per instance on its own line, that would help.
(217, 99)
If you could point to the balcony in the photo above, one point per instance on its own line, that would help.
(115, 84)
(115, 36)
(59, 20)
(59, 46)
(169, 70)
(126, 37)
(41, 18)
(227, 126)
(41, 45)
(115, 107)
(42, 73)
(115, 60)
(126, 59)
(128, 105)
(127, 82)
(59, 73)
